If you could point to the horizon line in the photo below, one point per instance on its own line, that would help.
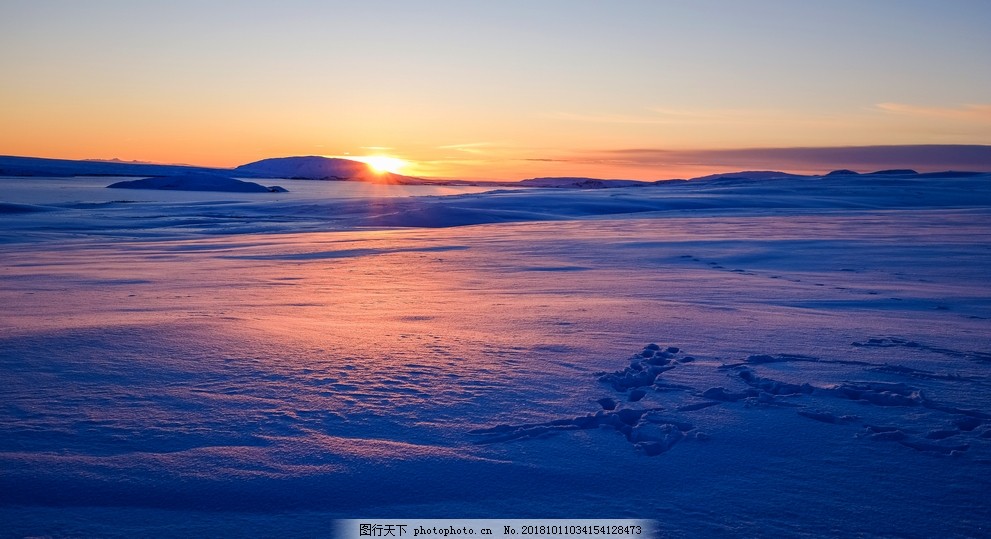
(814, 160)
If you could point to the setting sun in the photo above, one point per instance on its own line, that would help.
(382, 163)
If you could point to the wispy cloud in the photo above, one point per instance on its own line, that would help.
(971, 112)
(931, 157)
(468, 147)
(708, 117)
(607, 118)
(976, 115)
(670, 115)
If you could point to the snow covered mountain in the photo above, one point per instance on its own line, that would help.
(314, 167)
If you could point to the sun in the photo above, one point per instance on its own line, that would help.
(383, 163)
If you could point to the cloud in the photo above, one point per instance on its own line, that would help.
(607, 118)
(670, 115)
(972, 112)
(705, 117)
(468, 147)
(930, 157)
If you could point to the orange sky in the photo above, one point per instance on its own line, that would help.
(471, 90)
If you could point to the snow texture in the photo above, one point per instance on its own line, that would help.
(800, 357)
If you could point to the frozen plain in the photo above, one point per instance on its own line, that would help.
(260, 364)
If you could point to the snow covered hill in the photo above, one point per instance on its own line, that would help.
(316, 167)
(197, 182)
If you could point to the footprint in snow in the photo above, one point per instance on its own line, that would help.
(655, 430)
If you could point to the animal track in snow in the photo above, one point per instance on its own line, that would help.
(653, 429)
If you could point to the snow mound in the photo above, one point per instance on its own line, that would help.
(197, 182)
(7, 207)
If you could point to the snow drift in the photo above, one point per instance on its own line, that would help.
(734, 357)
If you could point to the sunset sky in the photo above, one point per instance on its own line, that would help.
(508, 89)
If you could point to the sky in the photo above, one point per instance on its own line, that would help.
(512, 89)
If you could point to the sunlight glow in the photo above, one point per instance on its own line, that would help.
(382, 163)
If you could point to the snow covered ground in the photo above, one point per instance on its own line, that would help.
(789, 357)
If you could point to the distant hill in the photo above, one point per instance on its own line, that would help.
(197, 182)
(308, 167)
(894, 172)
(749, 175)
(315, 167)
(580, 183)
(37, 166)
